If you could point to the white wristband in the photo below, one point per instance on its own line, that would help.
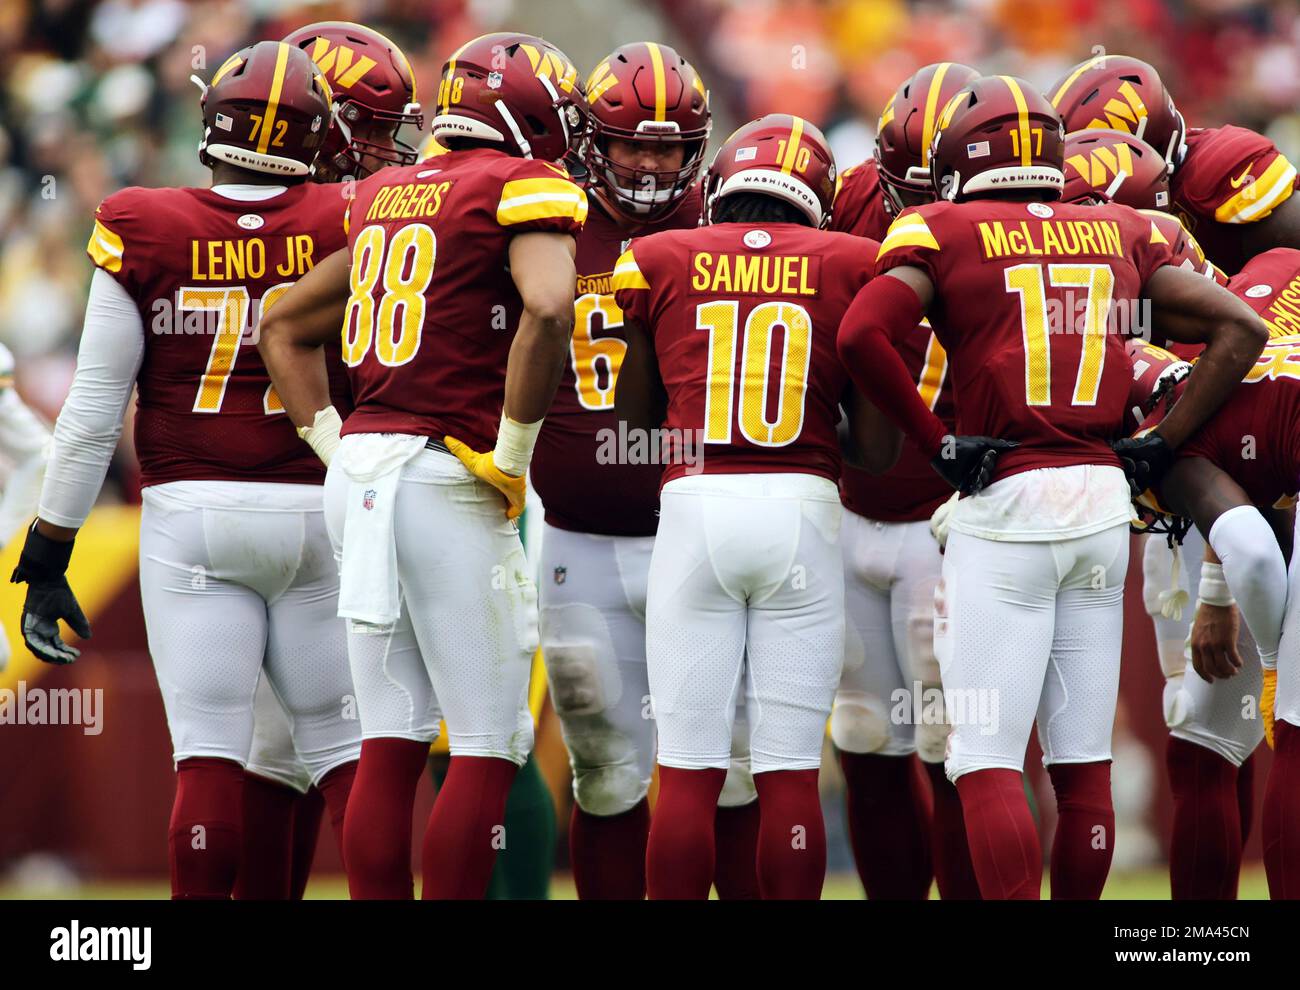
(514, 449)
(1213, 589)
(323, 434)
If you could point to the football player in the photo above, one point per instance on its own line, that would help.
(1210, 742)
(236, 573)
(650, 122)
(730, 328)
(1236, 478)
(891, 566)
(374, 95)
(1029, 608)
(452, 371)
(1231, 187)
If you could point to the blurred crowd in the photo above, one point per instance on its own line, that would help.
(96, 94)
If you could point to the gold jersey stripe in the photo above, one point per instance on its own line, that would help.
(907, 231)
(273, 101)
(105, 248)
(931, 108)
(932, 375)
(1261, 197)
(538, 199)
(791, 148)
(627, 273)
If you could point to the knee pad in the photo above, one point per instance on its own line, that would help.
(932, 740)
(575, 681)
(859, 722)
(920, 648)
(609, 790)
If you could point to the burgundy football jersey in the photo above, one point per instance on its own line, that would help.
(911, 489)
(860, 205)
(1032, 303)
(202, 269)
(1229, 176)
(743, 319)
(1270, 285)
(433, 309)
(582, 487)
(1255, 436)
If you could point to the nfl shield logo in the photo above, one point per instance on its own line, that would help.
(560, 574)
(368, 499)
(494, 80)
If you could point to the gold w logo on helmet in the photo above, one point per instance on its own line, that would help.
(600, 81)
(552, 65)
(1122, 115)
(1100, 165)
(338, 62)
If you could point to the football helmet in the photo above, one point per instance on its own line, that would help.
(267, 109)
(777, 155)
(906, 131)
(1156, 372)
(1115, 167)
(515, 90)
(1120, 93)
(645, 92)
(998, 133)
(374, 94)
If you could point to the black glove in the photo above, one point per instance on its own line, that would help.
(49, 599)
(967, 463)
(1145, 460)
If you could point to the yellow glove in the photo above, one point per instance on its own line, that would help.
(483, 467)
(1267, 702)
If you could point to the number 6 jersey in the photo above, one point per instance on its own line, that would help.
(743, 319)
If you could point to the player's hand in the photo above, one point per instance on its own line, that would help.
(1145, 460)
(1267, 702)
(49, 598)
(967, 463)
(1214, 641)
(483, 467)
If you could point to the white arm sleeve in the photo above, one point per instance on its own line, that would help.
(1256, 574)
(112, 348)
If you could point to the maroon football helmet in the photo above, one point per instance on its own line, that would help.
(267, 109)
(515, 90)
(374, 95)
(777, 155)
(1156, 372)
(1120, 93)
(1115, 167)
(645, 92)
(906, 131)
(999, 133)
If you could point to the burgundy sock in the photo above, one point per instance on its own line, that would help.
(266, 850)
(1205, 848)
(204, 836)
(307, 814)
(335, 788)
(608, 853)
(1085, 830)
(680, 853)
(953, 871)
(377, 824)
(889, 825)
(1246, 797)
(466, 828)
(735, 844)
(791, 836)
(1280, 824)
(1001, 834)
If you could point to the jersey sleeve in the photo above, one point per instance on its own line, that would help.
(537, 197)
(859, 207)
(1236, 176)
(631, 288)
(910, 240)
(118, 241)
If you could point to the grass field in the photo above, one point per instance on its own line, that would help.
(1141, 885)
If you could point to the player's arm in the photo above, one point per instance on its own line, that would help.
(291, 341)
(869, 440)
(542, 267)
(1217, 623)
(85, 436)
(640, 399)
(883, 310)
(1252, 562)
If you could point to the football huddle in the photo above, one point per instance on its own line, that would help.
(808, 436)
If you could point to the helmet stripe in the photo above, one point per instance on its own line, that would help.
(451, 74)
(661, 85)
(273, 101)
(1022, 115)
(1092, 63)
(796, 132)
(931, 106)
(230, 64)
